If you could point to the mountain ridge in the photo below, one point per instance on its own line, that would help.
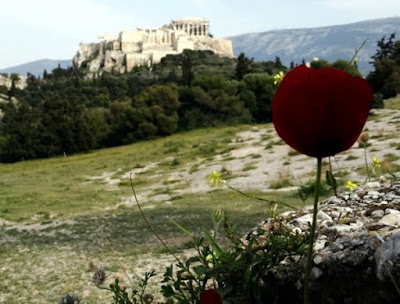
(327, 42)
(37, 67)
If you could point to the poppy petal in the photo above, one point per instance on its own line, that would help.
(321, 112)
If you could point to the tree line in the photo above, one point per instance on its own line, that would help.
(65, 112)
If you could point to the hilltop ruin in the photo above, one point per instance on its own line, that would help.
(146, 46)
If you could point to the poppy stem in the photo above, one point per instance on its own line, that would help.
(312, 234)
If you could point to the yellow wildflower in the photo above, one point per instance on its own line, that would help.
(278, 78)
(351, 185)
(215, 178)
(376, 163)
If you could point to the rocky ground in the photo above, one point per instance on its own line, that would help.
(357, 248)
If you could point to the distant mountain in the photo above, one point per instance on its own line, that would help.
(330, 42)
(37, 67)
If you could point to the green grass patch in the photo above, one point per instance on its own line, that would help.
(280, 183)
(249, 167)
(391, 157)
(293, 153)
(65, 186)
(392, 103)
(351, 157)
(395, 145)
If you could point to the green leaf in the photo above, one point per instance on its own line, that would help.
(200, 270)
(167, 291)
(217, 250)
(330, 179)
(249, 272)
(168, 272)
(181, 228)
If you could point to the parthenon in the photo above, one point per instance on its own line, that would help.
(191, 26)
(146, 46)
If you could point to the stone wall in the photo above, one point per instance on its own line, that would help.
(147, 46)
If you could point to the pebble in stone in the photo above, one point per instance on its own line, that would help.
(390, 220)
(377, 214)
(316, 272)
(391, 211)
(319, 244)
(386, 254)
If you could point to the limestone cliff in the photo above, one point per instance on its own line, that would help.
(145, 46)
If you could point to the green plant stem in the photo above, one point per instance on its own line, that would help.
(148, 223)
(312, 234)
(330, 168)
(261, 199)
(366, 161)
(358, 50)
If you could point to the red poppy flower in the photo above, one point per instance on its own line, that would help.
(320, 112)
(210, 296)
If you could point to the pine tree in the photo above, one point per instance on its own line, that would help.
(187, 66)
(243, 66)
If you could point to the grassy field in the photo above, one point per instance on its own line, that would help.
(61, 214)
(61, 217)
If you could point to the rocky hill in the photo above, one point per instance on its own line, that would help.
(331, 42)
(147, 46)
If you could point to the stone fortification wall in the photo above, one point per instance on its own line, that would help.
(146, 46)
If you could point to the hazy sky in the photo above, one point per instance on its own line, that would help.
(37, 29)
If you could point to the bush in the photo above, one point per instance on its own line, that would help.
(377, 102)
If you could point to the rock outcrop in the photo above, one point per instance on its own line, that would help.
(356, 252)
(6, 81)
(145, 46)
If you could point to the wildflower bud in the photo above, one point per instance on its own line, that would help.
(218, 215)
(364, 137)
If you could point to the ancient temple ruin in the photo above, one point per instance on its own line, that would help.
(146, 46)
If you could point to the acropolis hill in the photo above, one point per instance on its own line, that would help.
(146, 46)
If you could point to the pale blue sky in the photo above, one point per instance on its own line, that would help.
(37, 29)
